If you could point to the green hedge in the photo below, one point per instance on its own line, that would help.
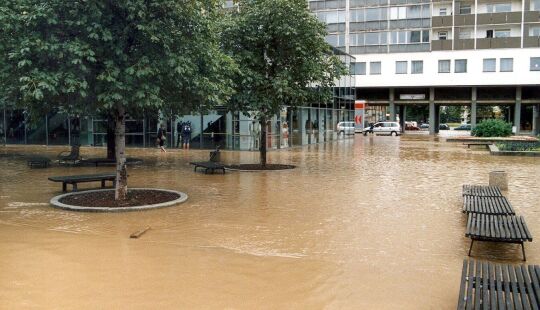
(492, 128)
(518, 146)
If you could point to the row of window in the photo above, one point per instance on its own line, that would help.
(444, 66)
(374, 14)
(380, 38)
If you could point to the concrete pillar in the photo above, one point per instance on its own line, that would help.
(536, 119)
(473, 107)
(432, 113)
(437, 118)
(517, 110)
(402, 117)
(391, 104)
(499, 179)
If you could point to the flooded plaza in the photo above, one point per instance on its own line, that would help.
(365, 223)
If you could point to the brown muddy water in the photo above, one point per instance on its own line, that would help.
(369, 223)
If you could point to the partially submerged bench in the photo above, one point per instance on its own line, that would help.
(497, 228)
(487, 205)
(75, 179)
(208, 166)
(38, 162)
(481, 190)
(486, 144)
(496, 286)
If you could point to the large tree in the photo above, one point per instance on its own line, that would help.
(116, 57)
(283, 58)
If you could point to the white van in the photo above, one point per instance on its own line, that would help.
(392, 128)
(346, 128)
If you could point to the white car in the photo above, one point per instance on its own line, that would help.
(346, 128)
(392, 128)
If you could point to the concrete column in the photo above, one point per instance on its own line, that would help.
(437, 118)
(473, 107)
(536, 119)
(403, 117)
(391, 104)
(432, 113)
(517, 110)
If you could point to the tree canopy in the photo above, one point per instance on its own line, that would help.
(96, 55)
(281, 50)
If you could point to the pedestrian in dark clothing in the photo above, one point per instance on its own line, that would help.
(161, 137)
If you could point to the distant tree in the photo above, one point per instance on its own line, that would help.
(114, 57)
(451, 114)
(282, 54)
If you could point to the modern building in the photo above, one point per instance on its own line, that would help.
(315, 122)
(430, 54)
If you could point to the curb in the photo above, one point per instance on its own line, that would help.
(55, 202)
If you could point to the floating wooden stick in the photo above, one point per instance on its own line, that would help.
(139, 233)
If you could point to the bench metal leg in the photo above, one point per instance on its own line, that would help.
(64, 187)
(102, 183)
(74, 187)
(470, 248)
(523, 251)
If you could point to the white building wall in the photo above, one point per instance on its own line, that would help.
(430, 76)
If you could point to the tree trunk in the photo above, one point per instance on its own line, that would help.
(120, 146)
(111, 139)
(262, 146)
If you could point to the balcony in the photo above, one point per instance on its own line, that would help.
(464, 44)
(532, 16)
(441, 45)
(464, 20)
(510, 42)
(499, 18)
(441, 21)
(531, 42)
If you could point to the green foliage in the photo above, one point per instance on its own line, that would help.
(519, 146)
(283, 57)
(451, 114)
(492, 128)
(94, 56)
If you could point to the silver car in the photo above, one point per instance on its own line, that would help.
(392, 128)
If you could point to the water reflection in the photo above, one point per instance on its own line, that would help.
(368, 223)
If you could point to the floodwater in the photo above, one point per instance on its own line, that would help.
(369, 223)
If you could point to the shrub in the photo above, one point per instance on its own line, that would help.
(492, 128)
(518, 146)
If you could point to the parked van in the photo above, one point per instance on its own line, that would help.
(392, 128)
(346, 128)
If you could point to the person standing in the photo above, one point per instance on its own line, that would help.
(179, 133)
(186, 135)
(161, 137)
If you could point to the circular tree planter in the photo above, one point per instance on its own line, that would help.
(258, 167)
(102, 200)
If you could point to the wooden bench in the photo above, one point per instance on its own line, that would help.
(481, 190)
(38, 162)
(208, 166)
(486, 144)
(499, 286)
(74, 179)
(497, 228)
(487, 205)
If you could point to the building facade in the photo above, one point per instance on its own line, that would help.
(314, 122)
(432, 54)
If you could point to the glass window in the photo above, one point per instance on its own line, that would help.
(507, 65)
(498, 7)
(535, 5)
(414, 36)
(375, 67)
(372, 38)
(460, 66)
(464, 34)
(534, 31)
(535, 63)
(399, 12)
(357, 16)
(373, 14)
(442, 12)
(360, 68)
(443, 35)
(425, 36)
(401, 67)
(444, 66)
(464, 8)
(356, 39)
(417, 67)
(489, 64)
(502, 33)
(414, 11)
